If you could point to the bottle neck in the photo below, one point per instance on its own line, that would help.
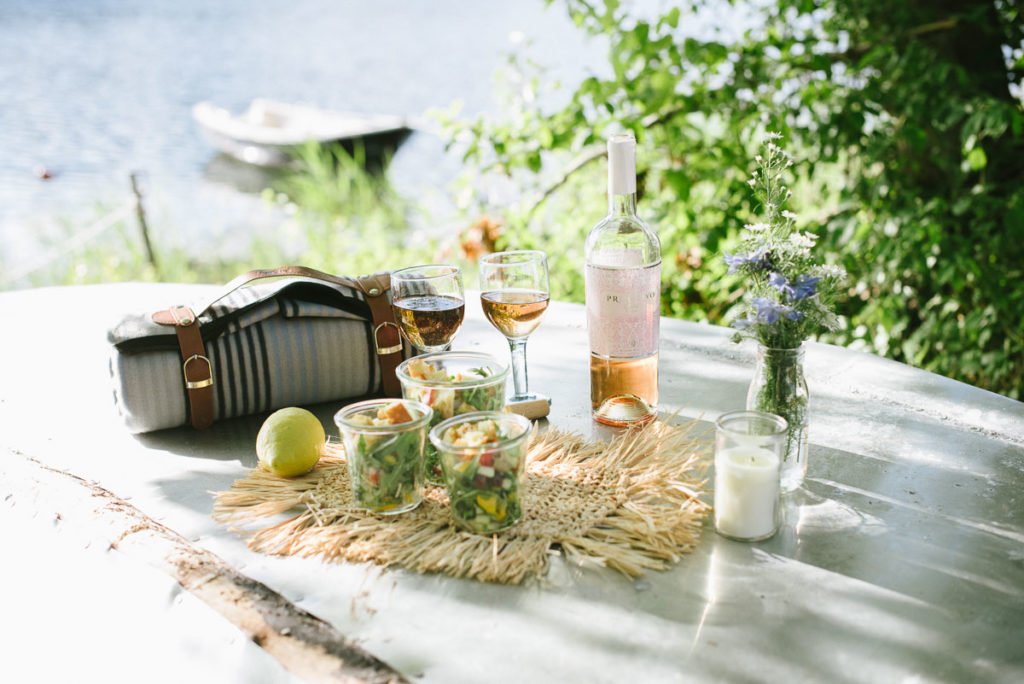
(622, 205)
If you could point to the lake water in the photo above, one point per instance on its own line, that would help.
(94, 89)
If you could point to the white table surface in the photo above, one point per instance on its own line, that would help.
(902, 559)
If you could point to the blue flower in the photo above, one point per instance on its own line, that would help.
(766, 312)
(755, 259)
(800, 289)
(805, 286)
(769, 312)
(779, 282)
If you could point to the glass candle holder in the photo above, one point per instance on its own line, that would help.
(482, 455)
(749, 448)
(384, 441)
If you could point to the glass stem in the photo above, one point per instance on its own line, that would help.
(518, 348)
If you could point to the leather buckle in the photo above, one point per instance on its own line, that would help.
(198, 384)
(384, 351)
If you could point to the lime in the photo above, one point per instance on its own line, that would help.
(290, 442)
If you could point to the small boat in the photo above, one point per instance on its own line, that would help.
(268, 132)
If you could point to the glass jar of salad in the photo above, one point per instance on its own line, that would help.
(482, 456)
(384, 440)
(453, 383)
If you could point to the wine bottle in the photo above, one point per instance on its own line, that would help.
(623, 291)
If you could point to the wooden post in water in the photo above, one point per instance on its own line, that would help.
(140, 214)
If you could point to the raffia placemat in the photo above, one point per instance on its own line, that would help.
(630, 504)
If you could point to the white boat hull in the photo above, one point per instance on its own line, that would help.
(268, 132)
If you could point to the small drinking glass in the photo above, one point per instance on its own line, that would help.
(749, 446)
(429, 305)
(452, 383)
(482, 455)
(514, 295)
(384, 440)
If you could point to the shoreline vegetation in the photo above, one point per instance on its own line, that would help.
(911, 158)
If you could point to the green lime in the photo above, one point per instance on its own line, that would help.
(290, 442)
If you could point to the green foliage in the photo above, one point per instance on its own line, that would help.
(345, 219)
(909, 139)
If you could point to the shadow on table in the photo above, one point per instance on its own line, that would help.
(800, 621)
(230, 440)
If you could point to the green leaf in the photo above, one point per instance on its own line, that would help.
(672, 18)
(533, 161)
(977, 159)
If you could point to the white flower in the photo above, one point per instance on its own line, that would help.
(758, 159)
(757, 227)
(772, 135)
(830, 271)
(805, 240)
(786, 213)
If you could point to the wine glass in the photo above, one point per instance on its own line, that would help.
(429, 305)
(514, 295)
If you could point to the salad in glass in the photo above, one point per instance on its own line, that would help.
(384, 440)
(482, 455)
(453, 384)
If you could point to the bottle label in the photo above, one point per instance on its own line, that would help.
(623, 309)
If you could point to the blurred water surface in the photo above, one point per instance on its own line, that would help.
(93, 89)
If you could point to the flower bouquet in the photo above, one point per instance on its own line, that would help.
(789, 298)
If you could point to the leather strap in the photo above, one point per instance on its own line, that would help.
(262, 273)
(375, 287)
(387, 340)
(196, 367)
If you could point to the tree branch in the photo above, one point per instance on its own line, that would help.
(303, 643)
(592, 154)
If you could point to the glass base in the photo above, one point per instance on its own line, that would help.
(747, 539)
(395, 511)
(624, 410)
(793, 474)
(788, 485)
(471, 527)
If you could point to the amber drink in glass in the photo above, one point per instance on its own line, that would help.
(514, 295)
(429, 305)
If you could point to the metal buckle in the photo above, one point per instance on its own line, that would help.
(387, 350)
(198, 384)
(188, 318)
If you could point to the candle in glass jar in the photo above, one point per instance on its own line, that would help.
(746, 492)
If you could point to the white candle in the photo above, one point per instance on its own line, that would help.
(746, 492)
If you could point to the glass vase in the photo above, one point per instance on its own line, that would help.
(779, 387)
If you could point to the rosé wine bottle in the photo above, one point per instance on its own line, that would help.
(623, 285)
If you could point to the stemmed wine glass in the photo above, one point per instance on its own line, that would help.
(429, 305)
(514, 295)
